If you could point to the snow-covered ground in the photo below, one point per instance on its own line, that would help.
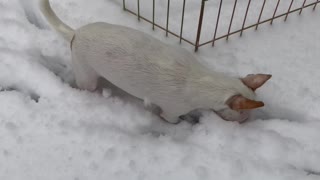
(51, 131)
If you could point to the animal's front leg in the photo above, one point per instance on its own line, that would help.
(86, 77)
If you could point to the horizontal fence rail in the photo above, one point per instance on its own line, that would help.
(196, 43)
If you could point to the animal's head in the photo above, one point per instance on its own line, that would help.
(238, 106)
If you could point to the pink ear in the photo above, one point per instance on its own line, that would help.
(254, 81)
(239, 102)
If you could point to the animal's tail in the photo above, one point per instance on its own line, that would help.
(66, 31)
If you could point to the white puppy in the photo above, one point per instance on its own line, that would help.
(143, 66)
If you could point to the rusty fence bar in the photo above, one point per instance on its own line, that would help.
(244, 27)
(314, 7)
(234, 9)
(217, 23)
(264, 3)
(203, 3)
(182, 19)
(168, 12)
(275, 11)
(304, 2)
(153, 12)
(138, 5)
(285, 19)
(245, 17)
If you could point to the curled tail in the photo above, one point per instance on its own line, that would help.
(66, 31)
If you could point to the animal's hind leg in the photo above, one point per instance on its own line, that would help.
(86, 77)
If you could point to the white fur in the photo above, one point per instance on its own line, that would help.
(143, 66)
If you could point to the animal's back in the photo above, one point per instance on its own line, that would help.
(132, 59)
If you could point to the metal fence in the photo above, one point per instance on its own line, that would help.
(271, 16)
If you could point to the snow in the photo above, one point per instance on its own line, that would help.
(50, 130)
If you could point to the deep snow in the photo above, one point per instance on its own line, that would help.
(49, 130)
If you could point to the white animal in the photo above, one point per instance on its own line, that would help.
(147, 68)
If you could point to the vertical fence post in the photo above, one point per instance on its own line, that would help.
(217, 24)
(200, 24)
(138, 4)
(153, 10)
(124, 4)
(245, 17)
(234, 9)
(275, 11)
(182, 19)
(314, 7)
(167, 24)
(304, 2)
(264, 3)
(285, 19)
